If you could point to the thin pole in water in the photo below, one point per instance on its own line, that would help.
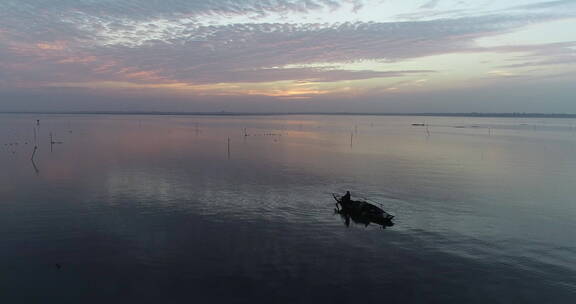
(32, 160)
(33, 153)
(351, 138)
(228, 147)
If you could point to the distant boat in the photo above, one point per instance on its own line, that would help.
(419, 124)
(362, 212)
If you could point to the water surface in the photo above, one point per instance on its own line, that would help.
(238, 209)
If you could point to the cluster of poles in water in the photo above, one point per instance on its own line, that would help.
(36, 142)
(276, 135)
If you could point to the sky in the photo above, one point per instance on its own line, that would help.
(288, 55)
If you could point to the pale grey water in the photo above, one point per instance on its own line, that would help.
(153, 209)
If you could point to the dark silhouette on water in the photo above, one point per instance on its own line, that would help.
(346, 197)
(361, 212)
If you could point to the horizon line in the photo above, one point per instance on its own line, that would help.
(225, 113)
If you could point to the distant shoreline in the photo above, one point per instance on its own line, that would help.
(472, 114)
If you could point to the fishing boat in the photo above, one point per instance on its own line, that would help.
(362, 212)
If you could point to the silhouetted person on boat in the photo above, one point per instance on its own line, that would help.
(346, 197)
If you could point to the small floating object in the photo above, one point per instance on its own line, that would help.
(465, 127)
(419, 125)
(58, 266)
(362, 212)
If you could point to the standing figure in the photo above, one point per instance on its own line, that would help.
(346, 197)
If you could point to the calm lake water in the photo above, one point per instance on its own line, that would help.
(161, 209)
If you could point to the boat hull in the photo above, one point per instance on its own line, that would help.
(363, 212)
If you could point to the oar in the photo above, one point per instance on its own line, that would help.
(337, 201)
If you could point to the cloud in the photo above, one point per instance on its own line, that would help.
(236, 52)
(547, 5)
(106, 49)
(550, 54)
(179, 43)
(554, 61)
(301, 74)
(144, 9)
(430, 4)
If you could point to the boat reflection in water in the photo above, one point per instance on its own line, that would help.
(361, 212)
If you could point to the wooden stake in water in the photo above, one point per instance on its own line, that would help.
(351, 138)
(32, 160)
(52, 142)
(33, 153)
(228, 147)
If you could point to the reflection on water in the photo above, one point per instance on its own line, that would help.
(239, 209)
(358, 218)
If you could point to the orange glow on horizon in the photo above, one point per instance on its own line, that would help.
(279, 90)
